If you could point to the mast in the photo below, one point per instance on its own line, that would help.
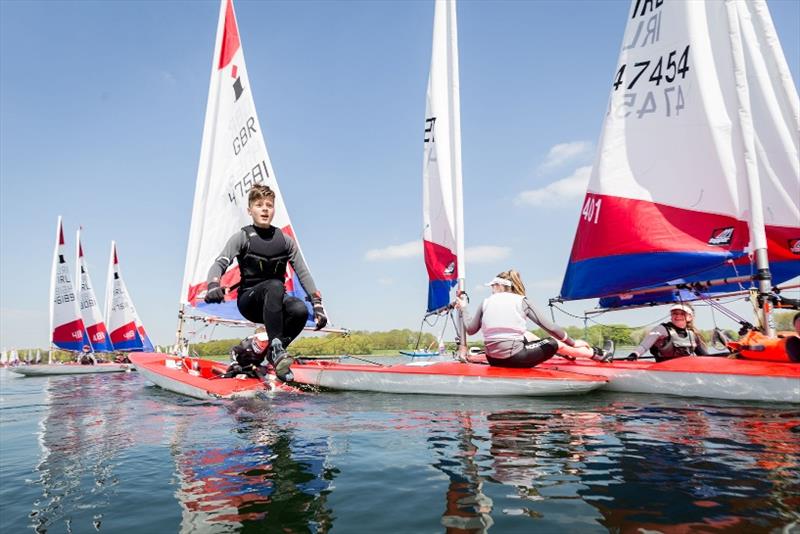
(455, 150)
(758, 236)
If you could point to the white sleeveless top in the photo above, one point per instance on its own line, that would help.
(503, 317)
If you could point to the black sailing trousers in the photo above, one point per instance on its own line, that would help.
(267, 303)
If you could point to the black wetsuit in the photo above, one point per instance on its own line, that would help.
(263, 254)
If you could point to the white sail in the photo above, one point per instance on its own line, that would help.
(90, 308)
(233, 158)
(120, 315)
(697, 165)
(67, 330)
(443, 218)
(3, 357)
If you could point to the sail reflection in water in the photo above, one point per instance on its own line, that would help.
(620, 468)
(273, 481)
(81, 437)
(467, 508)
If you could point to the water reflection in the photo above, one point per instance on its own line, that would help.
(621, 468)
(467, 508)
(82, 432)
(697, 469)
(271, 481)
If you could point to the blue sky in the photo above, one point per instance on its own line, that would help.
(101, 116)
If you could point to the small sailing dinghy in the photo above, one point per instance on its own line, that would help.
(697, 172)
(444, 258)
(90, 309)
(224, 179)
(201, 378)
(67, 330)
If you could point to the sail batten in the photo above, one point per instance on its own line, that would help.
(697, 165)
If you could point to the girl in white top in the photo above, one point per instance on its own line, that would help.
(502, 318)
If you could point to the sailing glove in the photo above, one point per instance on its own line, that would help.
(215, 294)
(319, 312)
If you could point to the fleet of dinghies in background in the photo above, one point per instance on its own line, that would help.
(76, 323)
(690, 115)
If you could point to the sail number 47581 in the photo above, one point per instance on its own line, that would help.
(591, 209)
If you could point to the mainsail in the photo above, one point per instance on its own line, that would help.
(120, 316)
(67, 330)
(90, 309)
(443, 217)
(233, 158)
(701, 131)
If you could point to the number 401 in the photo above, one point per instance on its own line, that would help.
(591, 209)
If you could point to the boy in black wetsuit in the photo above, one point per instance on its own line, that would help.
(263, 252)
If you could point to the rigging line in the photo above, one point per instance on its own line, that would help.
(602, 325)
(419, 335)
(365, 360)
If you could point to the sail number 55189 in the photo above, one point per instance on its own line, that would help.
(591, 209)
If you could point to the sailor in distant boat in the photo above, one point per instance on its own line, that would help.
(263, 252)
(674, 339)
(502, 319)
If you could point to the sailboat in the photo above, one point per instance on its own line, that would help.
(694, 191)
(67, 329)
(443, 242)
(127, 332)
(223, 181)
(224, 178)
(90, 310)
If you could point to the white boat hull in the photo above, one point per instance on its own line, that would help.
(444, 378)
(713, 378)
(69, 369)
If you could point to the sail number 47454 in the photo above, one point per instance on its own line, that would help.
(591, 209)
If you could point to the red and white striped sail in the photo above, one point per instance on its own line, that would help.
(90, 308)
(67, 330)
(120, 315)
(233, 158)
(697, 165)
(442, 199)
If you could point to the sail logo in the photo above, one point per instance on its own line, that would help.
(237, 84)
(429, 124)
(451, 268)
(129, 334)
(721, 237)
(794, 246)
(77, 334)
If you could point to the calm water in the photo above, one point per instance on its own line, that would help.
(114, 454)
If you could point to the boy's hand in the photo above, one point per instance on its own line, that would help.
(319, 312)
(215, 294)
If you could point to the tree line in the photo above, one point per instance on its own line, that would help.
(364, 343)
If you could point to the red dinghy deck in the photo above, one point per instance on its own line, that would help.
(444, 378)
(696, 376)
(176, 374)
